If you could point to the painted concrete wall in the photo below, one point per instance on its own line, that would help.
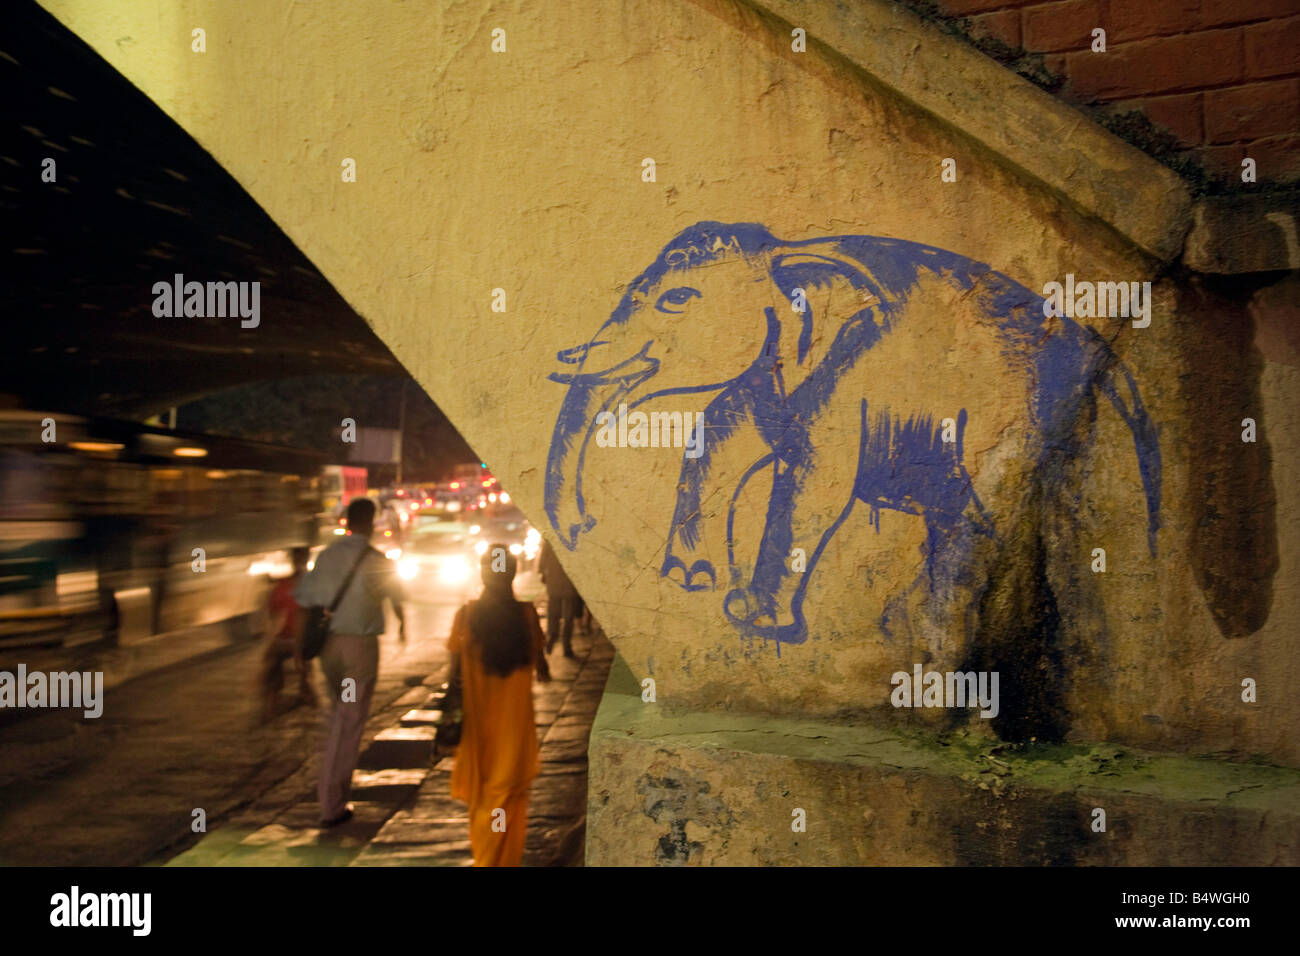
(724, 789)
(523, 171)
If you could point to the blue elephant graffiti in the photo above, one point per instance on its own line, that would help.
(798, 390)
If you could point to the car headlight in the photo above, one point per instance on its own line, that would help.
(407, 569)
(480, 547)
(454, 570)
(393, 554)
(533, 538)
(516, 549)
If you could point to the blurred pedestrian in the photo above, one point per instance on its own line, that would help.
(156, 539)
(350, 658)
(284, 640)
(586, 623)
(496, 642)
(561, 601)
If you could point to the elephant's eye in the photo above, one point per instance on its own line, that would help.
(674, 300)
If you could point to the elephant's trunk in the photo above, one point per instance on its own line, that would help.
(589, 394)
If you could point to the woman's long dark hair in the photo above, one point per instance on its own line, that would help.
(496, 623)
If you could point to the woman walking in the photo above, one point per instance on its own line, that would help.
(495, 644)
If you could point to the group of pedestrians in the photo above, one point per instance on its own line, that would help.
(496, 646)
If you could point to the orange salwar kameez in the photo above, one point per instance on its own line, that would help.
(498, 756)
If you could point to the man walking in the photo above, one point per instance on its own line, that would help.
(561, 601)
(350, 657)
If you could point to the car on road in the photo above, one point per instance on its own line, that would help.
(438, 555)
(498, 523)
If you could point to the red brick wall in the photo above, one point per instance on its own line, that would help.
(1223, 76)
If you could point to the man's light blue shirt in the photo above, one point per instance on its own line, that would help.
(362, 609)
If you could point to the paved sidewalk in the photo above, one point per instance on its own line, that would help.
(404, 814)
(120, 790)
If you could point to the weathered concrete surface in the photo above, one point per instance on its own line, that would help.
(521, 171)
(719, 789)
(1232, 235)
(1030, 129)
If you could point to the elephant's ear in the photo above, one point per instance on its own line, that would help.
(823, 267)
(859, 296)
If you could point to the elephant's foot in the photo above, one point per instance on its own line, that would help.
(756, 616)
(700, 577)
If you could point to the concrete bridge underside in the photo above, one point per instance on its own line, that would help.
(483, 182)
(135, 200)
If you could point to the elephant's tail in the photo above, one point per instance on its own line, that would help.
(1116, 382)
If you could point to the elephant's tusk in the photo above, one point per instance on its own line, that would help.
(578, 354)
(596, 379)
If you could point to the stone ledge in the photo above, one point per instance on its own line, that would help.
(720, 789)
(1097, 172)
(400, 748)
(1232, 235)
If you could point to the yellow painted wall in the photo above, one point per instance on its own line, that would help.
(522, 171)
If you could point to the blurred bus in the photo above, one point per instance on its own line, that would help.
(340, 484)
(103, 520)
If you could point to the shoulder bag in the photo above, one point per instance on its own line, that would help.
(316, 629)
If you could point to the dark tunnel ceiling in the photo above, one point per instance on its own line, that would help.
(136, 201)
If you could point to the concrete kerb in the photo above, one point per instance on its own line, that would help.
(721, 788)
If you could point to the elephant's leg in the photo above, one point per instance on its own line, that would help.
(811, 470)
(682, 563)
(909, 468)
(945, 586)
